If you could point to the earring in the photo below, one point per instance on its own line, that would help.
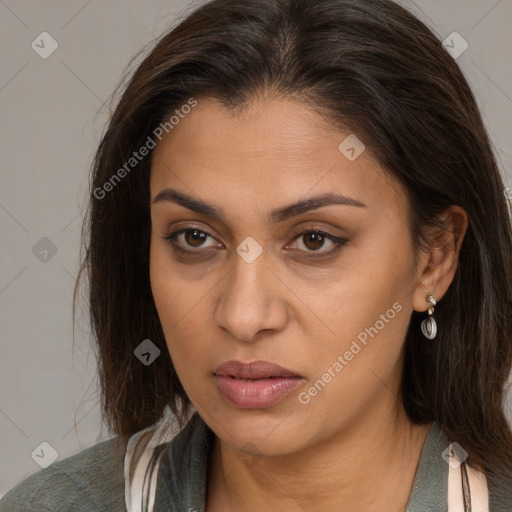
(429, 326)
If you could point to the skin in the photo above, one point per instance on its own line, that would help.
(352, 447)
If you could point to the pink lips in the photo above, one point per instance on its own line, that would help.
(255, 385)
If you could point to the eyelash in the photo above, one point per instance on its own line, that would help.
(340, 242)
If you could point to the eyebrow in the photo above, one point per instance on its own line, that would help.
(279, 215)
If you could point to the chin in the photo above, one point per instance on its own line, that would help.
(263, 432)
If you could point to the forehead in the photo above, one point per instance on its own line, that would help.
(272, 152)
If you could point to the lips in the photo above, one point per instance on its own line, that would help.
(256, 385)
(254, 370)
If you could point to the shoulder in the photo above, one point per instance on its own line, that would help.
(93, 479)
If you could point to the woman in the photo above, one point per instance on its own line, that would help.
(300, 248)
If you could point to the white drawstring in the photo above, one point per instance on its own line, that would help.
(477, 486)
(141, 465)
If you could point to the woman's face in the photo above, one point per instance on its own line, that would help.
(247, 279)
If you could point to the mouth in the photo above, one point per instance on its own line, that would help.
(253, 371)
(256, 385)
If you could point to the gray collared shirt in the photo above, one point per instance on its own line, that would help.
(93, 480)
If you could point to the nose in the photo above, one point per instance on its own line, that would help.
(251, 300)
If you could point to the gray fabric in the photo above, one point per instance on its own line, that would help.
(430, 488)
(93, 480)
(182, 478)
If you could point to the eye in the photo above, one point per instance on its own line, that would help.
(312, 240)
(191, 237)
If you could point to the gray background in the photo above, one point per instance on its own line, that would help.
(52, 114)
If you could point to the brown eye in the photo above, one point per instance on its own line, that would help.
(310, 242)
(195, 238)
(313, 241)
(188, 239)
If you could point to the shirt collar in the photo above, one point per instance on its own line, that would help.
(182, 477)
(430, 487)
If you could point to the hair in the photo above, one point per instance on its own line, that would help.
(367, 65)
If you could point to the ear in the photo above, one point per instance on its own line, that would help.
(437, 265)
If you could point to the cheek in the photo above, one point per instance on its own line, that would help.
(367, 310)
(170, 292)
(181, 310)
(165, 288)
(363, 356)
(377, 272)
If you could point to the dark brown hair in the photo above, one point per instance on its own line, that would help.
(369, 65)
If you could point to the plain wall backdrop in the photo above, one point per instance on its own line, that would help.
(52, 116)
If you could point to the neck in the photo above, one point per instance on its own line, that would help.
(369, 465)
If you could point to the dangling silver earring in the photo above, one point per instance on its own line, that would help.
(429, 326)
